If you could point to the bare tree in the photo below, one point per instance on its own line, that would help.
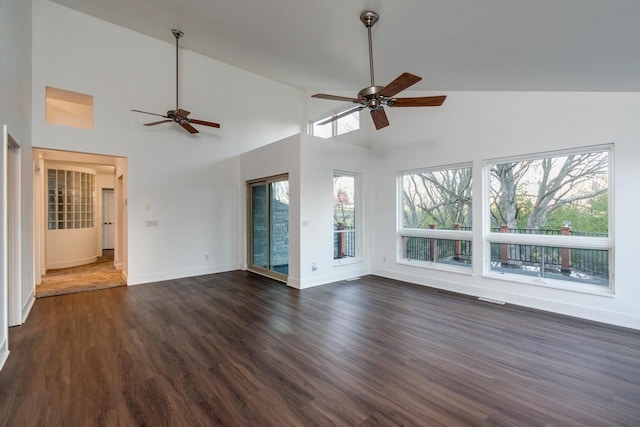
(505, 209)
(545, 185)
(440, 197)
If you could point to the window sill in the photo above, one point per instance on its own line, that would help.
(437, 266)
(553, 284)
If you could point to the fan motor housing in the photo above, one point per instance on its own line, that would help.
(369, 97)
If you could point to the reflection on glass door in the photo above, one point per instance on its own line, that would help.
(259, 225)
(269, 226)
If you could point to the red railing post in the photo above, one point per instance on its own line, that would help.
(432, 245)
(504, 248)
(457, 245)
(565, 253)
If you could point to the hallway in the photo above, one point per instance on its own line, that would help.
(98, 275)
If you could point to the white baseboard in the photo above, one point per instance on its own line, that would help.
(293, 282)
(28, 305)
(179, 274)
(553, 306)
(4, 352)
(72, 263)
(331, 278)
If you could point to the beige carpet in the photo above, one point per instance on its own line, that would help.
(99, 275)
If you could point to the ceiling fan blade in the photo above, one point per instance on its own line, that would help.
(202, 122)
(153, 114)
(157, 123)
(401, 82)
(425, 101)
(182, 113)
(335, 97)
(341, 115)
(188, 127)
(379, 118)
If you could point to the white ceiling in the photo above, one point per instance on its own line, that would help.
(581, 45)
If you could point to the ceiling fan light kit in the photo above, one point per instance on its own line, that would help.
(179, 115)
(376, 97)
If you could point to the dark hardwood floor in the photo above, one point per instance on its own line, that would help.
(240, 349)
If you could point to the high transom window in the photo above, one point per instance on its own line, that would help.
(340, 126)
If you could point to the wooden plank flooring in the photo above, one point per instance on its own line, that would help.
(239, 349)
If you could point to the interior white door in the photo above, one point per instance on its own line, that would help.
(108, 218)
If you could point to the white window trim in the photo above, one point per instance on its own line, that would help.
(428, 232)
(357, 190)
(577, 242)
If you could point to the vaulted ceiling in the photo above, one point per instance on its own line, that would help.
(575, 45)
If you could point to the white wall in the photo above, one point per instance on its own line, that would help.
(319, 159)
(276, 159)
(15, 87)
(473, 126)
(310, 163)
(188, 184)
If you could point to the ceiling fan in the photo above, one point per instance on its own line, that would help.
(376, 97)
(179, 115)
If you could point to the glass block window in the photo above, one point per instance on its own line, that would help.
(70, 199)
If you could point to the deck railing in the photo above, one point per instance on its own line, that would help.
(554, 259)
(344, 241)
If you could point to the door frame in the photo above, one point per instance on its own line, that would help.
(119, 186)
(266, 271)
(112, 193)
(12, 224)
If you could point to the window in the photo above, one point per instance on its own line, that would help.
(345, 216)
(67, 108)
(549, 220)
(345, 124)
(70, 199)
(435, 217)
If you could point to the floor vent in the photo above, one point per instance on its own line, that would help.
(493, 301)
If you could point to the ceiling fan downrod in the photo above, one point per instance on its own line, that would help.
(177, 34)
(369, 18)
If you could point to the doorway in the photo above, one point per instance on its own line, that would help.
(268, 226)
(108, 219)
(80, 238)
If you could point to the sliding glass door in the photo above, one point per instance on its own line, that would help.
(268, 223)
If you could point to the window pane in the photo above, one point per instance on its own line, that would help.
(70, 193)
(337, 127)
(552, 193)
(437, 199)
(444, 251)
(588, 266)
(279, 226)
(259, 225)
(323, 131)
(348, 123)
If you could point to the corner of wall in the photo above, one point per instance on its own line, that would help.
(4, 352)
